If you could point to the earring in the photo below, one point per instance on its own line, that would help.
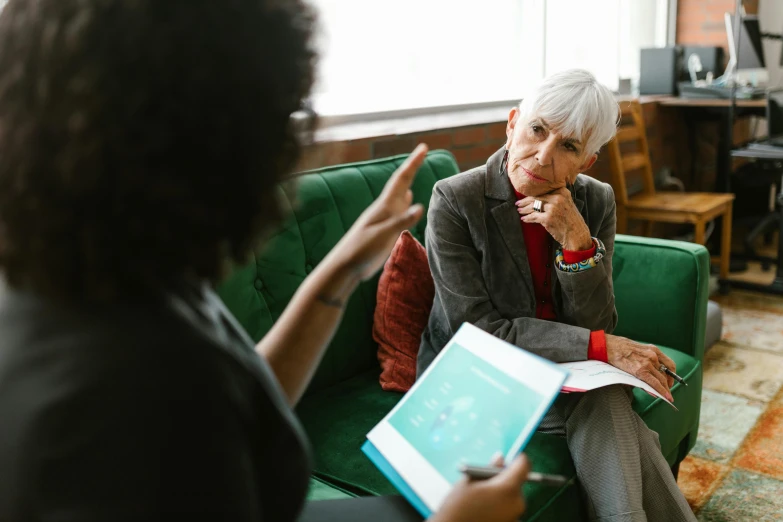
(504, 163)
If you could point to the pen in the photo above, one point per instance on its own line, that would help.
(676, 377)
(482, 473)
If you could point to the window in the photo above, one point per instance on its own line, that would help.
(380, 56)
(604, 40)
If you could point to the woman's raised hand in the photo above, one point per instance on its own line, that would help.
(366, 246)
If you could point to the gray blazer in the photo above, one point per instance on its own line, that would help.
(478, 259)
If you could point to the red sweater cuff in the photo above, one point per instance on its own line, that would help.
(577, 256)
(596, 350)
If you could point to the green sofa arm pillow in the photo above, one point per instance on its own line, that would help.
(661, 289)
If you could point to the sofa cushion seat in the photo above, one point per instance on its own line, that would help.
(338, 419)
(673, 426)
(320, 490)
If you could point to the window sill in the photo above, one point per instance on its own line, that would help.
(381, 125)
(397, 123)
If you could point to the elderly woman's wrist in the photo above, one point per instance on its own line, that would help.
(577, 263)
(579, 245)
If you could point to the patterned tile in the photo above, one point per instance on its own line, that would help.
(745, 496)
(742, 399)
(763, 450)
(725, 422)
(753, 374)
(754, 328)
(749, 300)
(698, 479)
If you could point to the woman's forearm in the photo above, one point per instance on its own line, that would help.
(296, 343)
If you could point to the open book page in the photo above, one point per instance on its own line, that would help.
(589, 375)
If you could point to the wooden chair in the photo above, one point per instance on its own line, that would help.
(696, 208)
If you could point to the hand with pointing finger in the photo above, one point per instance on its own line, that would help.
(366, 246)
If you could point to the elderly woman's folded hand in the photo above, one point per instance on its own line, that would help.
(643, 361)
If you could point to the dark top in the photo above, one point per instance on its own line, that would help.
(141, 412)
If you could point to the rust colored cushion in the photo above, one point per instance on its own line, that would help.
(405, 295)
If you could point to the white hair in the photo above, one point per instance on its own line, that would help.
(574, 103)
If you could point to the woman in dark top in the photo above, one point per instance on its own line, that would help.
(140, 144)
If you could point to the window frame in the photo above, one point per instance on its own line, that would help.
(337, 120)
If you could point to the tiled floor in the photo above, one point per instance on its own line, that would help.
(735, 472)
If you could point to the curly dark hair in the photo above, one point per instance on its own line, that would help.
(142, 140)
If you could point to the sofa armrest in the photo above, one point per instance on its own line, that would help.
(661, 289)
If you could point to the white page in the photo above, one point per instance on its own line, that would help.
(588, 375)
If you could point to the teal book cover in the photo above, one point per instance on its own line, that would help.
(481, 396)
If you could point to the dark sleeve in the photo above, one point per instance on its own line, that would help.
(588, 296)
(150, 444)
(456, 270)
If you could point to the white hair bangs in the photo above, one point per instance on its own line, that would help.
(575, 104)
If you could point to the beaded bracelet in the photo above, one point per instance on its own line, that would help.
(600, 252)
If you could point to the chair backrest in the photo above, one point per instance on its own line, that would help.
(628, 152)
(322, 205)
(775, 112)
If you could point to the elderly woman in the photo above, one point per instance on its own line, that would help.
(522, 248)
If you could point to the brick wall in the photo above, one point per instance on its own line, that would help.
(470, 145)
(700, 22)
(667, 134)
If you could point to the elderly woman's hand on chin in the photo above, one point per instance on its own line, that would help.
(560, 217)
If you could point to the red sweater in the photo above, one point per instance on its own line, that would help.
(539, 246)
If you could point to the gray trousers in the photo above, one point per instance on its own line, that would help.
(622, 472)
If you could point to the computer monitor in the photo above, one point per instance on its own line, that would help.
(775, 112)
(748, 67)
(780, 37)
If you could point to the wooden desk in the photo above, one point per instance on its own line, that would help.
(716, 108)
(675, 101)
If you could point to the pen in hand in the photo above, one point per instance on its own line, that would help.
(673, 375)
(484, 472)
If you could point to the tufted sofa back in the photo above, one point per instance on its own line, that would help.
(322, 205)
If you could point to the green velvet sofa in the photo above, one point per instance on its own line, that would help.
(661, 293)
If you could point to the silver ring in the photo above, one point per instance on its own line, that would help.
(538, 205)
